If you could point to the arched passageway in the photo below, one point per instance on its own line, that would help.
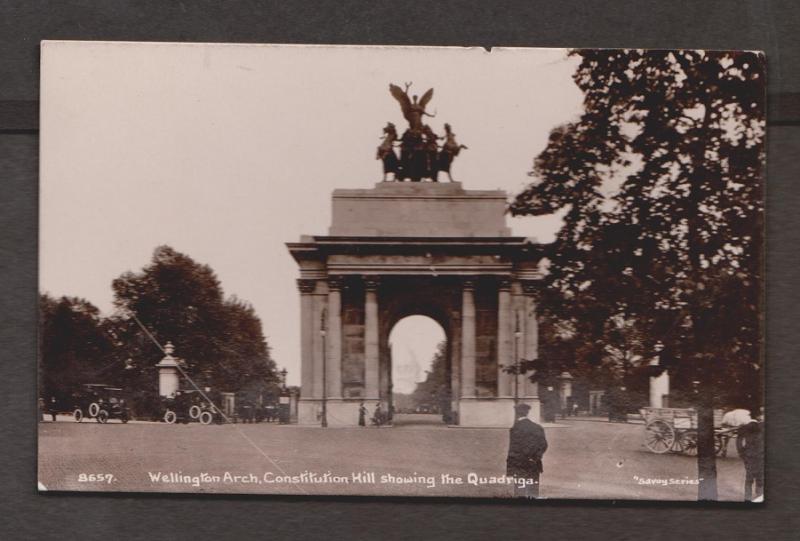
(420, 372)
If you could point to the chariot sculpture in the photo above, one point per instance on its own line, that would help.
(421, 156)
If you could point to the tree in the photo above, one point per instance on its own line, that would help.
(434, 392)
(662, 176)
(74, 348)
(179, 300)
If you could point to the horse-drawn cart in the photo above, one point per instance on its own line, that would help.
(675, 430)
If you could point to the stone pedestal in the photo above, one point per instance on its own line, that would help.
(441, 209)
(308, 411)
(343, 412)
(168, 375)
(659, 388)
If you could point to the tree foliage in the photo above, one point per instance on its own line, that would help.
(662, 179)
(73, 347)
(220, 339)
(181, 301)
(434, 391)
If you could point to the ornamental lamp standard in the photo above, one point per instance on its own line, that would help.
(323, 332)
(517, 336)
(283, 378)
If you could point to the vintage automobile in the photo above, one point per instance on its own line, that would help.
(113, 406)
(189, 406)
(92, 398)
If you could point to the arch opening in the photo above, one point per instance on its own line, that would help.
(420, 371)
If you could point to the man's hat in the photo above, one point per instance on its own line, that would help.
(522, 409)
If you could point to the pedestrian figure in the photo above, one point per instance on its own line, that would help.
(733, 419)
(362, 415)
(750, 445)
(377, 416)
(526, 446)
(53, 407)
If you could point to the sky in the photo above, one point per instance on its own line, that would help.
(226, 152)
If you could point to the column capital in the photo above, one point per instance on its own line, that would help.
(306, 286)
(371, 283)
(529, 287)
(468, 284)
(504, 284)
(335, 283)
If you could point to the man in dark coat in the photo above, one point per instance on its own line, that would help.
(750, 445)
(526, 447)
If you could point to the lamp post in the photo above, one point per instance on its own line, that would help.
(517, 336)
(323, 333)
(284, 408)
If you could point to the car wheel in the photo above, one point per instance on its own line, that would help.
(170, 417)
(94, 409)
(77, 415)
(102, 416)
(194, 412)
(206, 417)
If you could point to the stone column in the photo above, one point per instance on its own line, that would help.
(659, 385)
(334, 338)
(320, 316)
(531, 333)
(504, 337)
(306, 288)
(468, 340)
(168, 377)
(371, 360)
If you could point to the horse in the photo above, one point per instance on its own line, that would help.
(386, 153)
(449, 151)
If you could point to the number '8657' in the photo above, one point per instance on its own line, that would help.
(95, 478)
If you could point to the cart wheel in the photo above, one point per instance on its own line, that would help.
(77, 415)
(206, 417)
(102, 416)
(659, 436)
(94, 409)
(170, 417)
(194, 412)
(687, 443)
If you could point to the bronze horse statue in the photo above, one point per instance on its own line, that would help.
(386, 152)
(449, 151)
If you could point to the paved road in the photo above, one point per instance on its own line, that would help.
(585, 460)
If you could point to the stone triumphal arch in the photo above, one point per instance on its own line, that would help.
(407, 248)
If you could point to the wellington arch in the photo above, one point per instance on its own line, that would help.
(416, 248)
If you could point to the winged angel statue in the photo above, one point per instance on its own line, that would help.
(412, 111)
(420, 153)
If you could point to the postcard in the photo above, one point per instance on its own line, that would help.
(402, 271)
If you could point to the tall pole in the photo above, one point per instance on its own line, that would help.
(517, 335)
(323, 332)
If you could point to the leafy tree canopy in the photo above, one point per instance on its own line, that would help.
(73, 347)
(662, 181)
(181, 301)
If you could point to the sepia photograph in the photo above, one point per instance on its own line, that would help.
(308, 270)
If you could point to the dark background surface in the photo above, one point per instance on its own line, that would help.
(766, 25)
